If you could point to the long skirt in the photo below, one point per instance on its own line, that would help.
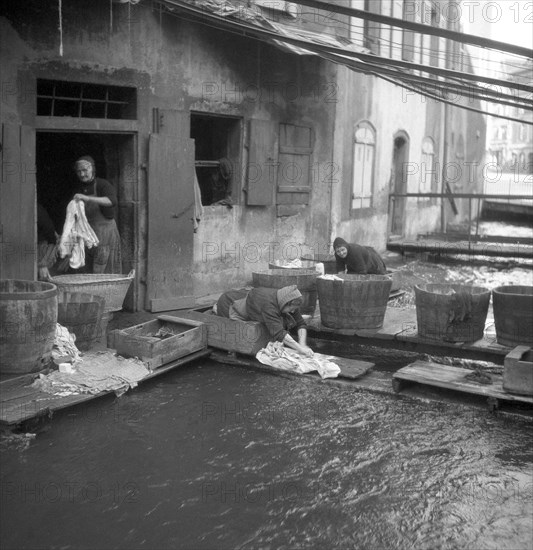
(107, 256)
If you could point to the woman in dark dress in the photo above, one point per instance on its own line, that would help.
(354, 258)
(100, 200)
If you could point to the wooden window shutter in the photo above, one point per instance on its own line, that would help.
(261, 173)
(294, 166)
(18, 227)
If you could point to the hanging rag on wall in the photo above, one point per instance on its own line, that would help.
(198, 208)
(77, 234)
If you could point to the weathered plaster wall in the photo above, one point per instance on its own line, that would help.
(173, 63)
(269, 85)
(390, 110)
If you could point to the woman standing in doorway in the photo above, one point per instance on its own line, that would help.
(100, 200)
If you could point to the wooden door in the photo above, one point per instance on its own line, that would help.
(18, 240)
(170, 209)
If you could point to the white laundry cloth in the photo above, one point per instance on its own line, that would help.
(329, 277)
(276, 355)
(77, 234)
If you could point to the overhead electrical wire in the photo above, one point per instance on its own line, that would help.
(355, 30)
(372, 64)
(418, 51)
(422, 28)
(398, 80)
(325, 48)
(471, 40)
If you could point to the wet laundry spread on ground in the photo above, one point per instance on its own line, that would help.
(98, 372)
(276, 355)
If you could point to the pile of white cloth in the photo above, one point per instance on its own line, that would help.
(64, 344)
(77, 234)
(297, 263)
(330, 277)
(278, 356)
(289, 264)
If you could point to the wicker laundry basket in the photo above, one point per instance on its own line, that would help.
(112, 287)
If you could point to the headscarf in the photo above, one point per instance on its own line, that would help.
(86, 160)
(287, 294)
(339, 241)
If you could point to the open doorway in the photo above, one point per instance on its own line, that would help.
(114, 156)
(400, 158)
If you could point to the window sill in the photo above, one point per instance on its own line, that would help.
(217, 209)
(366, 212)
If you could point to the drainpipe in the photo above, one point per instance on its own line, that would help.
(444, 157)
(332, 218)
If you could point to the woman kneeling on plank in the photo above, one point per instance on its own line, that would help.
(354, 258)
(278, 309)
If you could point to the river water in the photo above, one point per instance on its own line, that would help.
(220, 457)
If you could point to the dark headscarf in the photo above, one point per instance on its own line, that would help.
(360, 259)
(339, 241)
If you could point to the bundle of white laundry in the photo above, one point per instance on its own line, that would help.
(276, 355)
(77, 234)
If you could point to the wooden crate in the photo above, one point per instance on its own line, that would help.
(518, 371)
(140, 340)
(237, 336)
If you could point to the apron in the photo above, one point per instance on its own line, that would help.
(106, 257)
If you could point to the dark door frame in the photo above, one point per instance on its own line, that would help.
(400, 158)
(131, 176)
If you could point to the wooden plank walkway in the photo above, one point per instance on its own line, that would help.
(399, 331)
(362, 377)
(454, 237)
(506, 207)
(20, 402)
(454, 378)
(351, 369)
(468, 248)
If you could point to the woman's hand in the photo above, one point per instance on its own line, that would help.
(306, 351)
(81, 197)
(44, 274)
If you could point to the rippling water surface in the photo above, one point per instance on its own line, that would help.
(225, 457)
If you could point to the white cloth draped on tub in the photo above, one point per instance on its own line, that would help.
(77, 234)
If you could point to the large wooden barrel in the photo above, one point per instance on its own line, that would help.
(304, 279)
(513, 314)
(28, 318)
(353, 301)
(451, 312)
(82, 314)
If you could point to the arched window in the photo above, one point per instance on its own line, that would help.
(427, 166)
(363, 165)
